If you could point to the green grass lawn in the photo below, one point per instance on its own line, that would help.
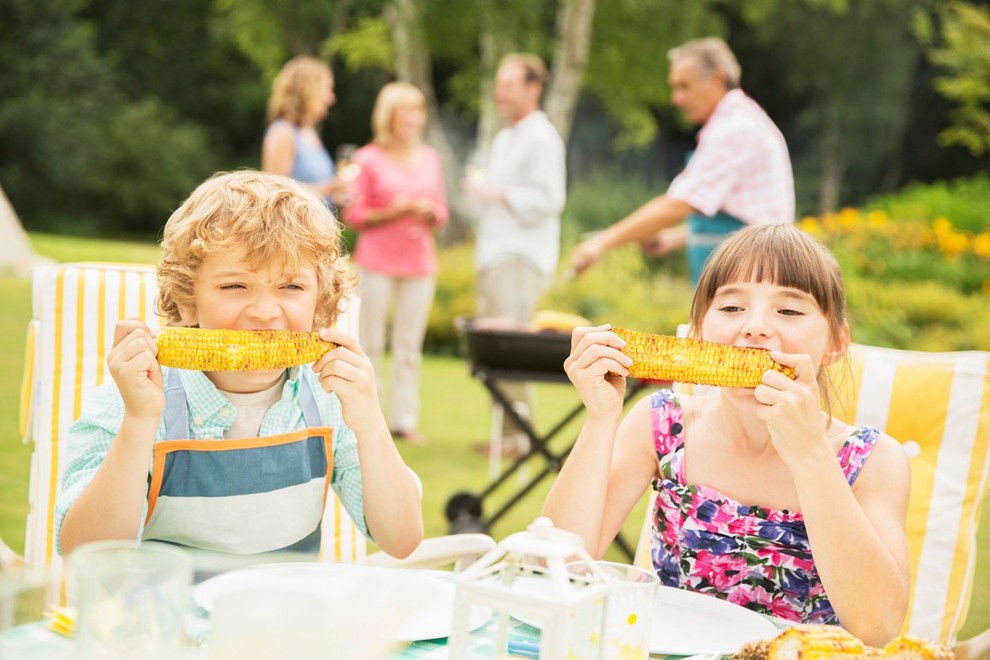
(455, 415)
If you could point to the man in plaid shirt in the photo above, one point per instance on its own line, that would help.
(739, 174)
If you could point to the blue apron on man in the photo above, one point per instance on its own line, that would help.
(704, 235)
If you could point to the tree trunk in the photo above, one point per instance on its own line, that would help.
(17, 254)
(413, 64)
(570, 56)
(488, 121)
(833, 164)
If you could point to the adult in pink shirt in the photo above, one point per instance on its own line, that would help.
(399, 204)
(740, 174)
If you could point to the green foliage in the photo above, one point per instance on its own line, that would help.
(964, 200)
(454, 297)
(52, 116)
(605, 196)
(78, 156)
(965, 55)
(368, 45)
(627, 66)
(922, 316)
(269, 33)
(149, 162)
(622, 290)
(849, 69)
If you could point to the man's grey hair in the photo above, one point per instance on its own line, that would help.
(710, 54)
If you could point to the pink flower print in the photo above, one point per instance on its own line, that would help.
(721, 571)
(771, 557)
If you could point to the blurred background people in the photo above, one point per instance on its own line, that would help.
(302, 94)
(521, 196)
(399, 204)
(739, 174)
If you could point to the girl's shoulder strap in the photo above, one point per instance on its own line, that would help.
(856, 449)
(667, 419)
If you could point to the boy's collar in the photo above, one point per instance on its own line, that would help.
(205, 400)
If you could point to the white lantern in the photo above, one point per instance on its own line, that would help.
(526, 577)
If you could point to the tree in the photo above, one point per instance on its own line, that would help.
(965, 56)
(849, 66)
(418, 28)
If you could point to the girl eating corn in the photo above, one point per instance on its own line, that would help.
(762, 497)
(241, 451)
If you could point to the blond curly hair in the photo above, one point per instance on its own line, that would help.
(273, 218)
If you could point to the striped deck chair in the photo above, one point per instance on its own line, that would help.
(75, 309)
(938, 406)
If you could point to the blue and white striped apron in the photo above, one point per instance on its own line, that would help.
(239, 496)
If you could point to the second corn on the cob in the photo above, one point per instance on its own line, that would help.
(685, 360)
(816, 642)
(202, 349)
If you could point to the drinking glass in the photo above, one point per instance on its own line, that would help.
(628, 609)
(131, 599)
(347, 169)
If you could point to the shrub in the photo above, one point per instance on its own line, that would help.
(918, 282)
(599, 200)
(965, 201)
(623, 289)
(875, 246)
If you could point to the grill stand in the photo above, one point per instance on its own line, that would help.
(464, 509)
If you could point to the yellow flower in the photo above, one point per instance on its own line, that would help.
(877, 218)
(941, 225)
(810, 225)
(848, 218)
(953, 243)
(981, 245)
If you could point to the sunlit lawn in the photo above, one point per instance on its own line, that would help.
(455, 416)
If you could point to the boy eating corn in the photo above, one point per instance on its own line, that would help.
(240, 460)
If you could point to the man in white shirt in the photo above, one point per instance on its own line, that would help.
(740, 173)
(521, 198)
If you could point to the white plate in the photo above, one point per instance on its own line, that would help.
(688, 623)
(420, 603)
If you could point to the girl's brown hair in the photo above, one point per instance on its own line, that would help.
(273, 218)
(783, 255)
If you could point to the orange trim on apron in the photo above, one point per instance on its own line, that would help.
(163, 448)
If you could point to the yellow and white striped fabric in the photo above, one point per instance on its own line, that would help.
(937, 405)
(75, 308)
(341, 541)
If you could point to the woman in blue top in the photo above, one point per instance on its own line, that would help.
(302, 94)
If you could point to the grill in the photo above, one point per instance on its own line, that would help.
(514, 350)
(497, 354)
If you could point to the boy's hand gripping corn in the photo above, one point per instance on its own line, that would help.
(684, 360)
(201, 349)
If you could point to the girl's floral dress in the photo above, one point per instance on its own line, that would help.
(749, 555)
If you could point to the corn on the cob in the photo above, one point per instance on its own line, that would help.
(684, 360)
(908, 647)
(237, 350)
(548, 319)
(816, 643)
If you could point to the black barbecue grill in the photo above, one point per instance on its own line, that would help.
(497, 354)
